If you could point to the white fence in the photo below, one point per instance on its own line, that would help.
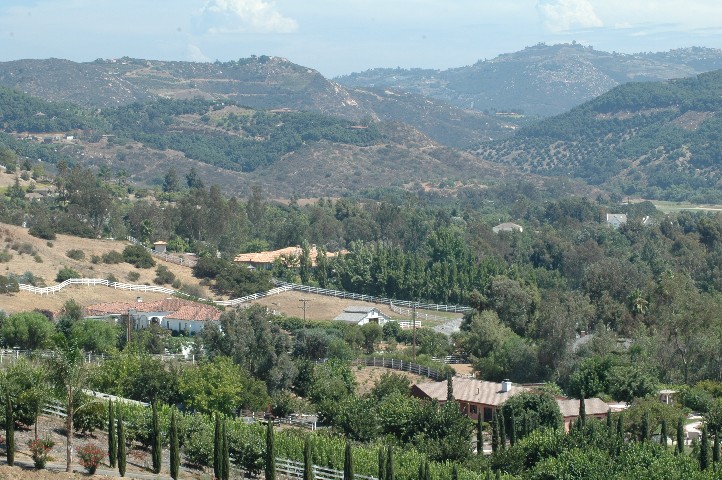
(409, 312)
(373, 299)
(292, 469)
(402, 365)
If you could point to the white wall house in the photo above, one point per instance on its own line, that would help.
(360, 315)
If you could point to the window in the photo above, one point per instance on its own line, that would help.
(473, 409)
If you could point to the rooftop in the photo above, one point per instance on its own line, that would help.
(471, 390)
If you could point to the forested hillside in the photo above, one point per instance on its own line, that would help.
(541, 80)
(655, 140)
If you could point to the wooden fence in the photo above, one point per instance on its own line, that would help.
(292, 469)
(402, 365)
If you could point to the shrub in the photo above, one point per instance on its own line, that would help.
(40, 450)
(133, 276)
(49, 244)
(95, 259)
(23, 248)
(138, 256)
(112, 256)
(176, 284)
(8, 285)
(43, 230)
(163, 276)
(90, 416)
(66, 273)
(90, 457)
(5, 256)
(75, 254)
(112, 278)
(37, 258)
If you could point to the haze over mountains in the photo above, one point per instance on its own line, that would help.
(267, 120)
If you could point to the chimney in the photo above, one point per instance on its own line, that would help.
(139, 300)
(505, 386)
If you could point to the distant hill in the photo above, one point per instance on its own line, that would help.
(263, 83)
(542, 80)
(657, 140)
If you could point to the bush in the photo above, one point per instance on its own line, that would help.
(37, 258)
(43, 230)
(112, 257)
(66, 273)
(23, 248)
(5, 256)
(90, 416)
(112, 278)
(133, 276)
(138, 256)
(163, 276)
(176, 284)
(90, 457)
(75, 254)
(8, 285)
(95, 259)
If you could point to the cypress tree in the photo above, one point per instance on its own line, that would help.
(609, 422)
(422, 470)
(156, 448)
(488, 473)
(427, 470)
(704, 451)
(226, 455)
(455, 473)
(174, 447)
(382, 463)
(449, 389)
(348, 463)
(645, 427)
(217, 448)
(389, 463)
(582, 412)
(121, 444)
(502, 430)
(715, 448)
(527, 425)
(308, 459)
(494, 433)
(512, 430)
(663, 434)
(498, 474)
(270, 469)
(680, 437)
(9, 430)
(620, 425)
(112, 439)
(479, 435)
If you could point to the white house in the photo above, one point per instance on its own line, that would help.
(360, 315)
(616, 220)
(507, 227)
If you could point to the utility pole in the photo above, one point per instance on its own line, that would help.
(305, 301)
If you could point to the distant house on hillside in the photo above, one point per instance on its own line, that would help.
(616, 220)
(593, 407)
(360, 315)
(172, 313)
(508, 227)
(265, 260)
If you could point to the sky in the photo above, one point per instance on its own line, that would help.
(338, 37)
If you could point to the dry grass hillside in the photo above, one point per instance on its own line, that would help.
(44, 258)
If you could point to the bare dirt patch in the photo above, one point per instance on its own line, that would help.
(319, 307)
(366, 377)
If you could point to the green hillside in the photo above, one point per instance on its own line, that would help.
(657, 140)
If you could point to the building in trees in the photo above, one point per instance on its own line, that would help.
(595, 407)
(508, 227)
(362, 315)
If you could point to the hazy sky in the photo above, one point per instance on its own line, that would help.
(343, 36)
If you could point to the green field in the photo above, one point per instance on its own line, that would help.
(671, 207)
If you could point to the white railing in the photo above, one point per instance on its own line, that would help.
(409, 312)
(374, 299)
(250, 298)
(293, 469)
(402, 365)
(408, 325)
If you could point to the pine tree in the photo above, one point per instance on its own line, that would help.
(217, 447)
(226, 454)
(382, 463)
(308, 459)
(156, 448)
(270, 469)
(502, 430)
(121, 444)
(112, 439)
(389, 463)
(479, 435)
(663, 434)
(704, 451)
(9, 430)
(174, 447)
(348, 463)
(680, 437)
(494, 433)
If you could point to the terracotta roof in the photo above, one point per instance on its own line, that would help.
(178, 308)
(270, 256)
(593, 406)
(471, 390)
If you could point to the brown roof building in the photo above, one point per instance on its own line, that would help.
(593, 407)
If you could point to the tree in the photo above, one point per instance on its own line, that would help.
(270, 464)
(715, 449)
(69, 372)
(502, 430)
(479, 435)
(348, 463)
(494, 433)
(121, 444)
(112, 439)
(66, 273)
(95, 335)
(174, 447)
(171, 182)
(582, 411)
(193, 180)
(157, 441)
(390, 475)
(539, 407)
(9, 431)
(382, 463)
(704, 451)
(449, 389)
(217, 448)
(308, 459)
(225, 454)
(663, 436)
(27, 330)
(680, 437)
(512, 430)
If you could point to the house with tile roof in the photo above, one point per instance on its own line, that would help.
(593, 407)
(361, 315)
(175, 314)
